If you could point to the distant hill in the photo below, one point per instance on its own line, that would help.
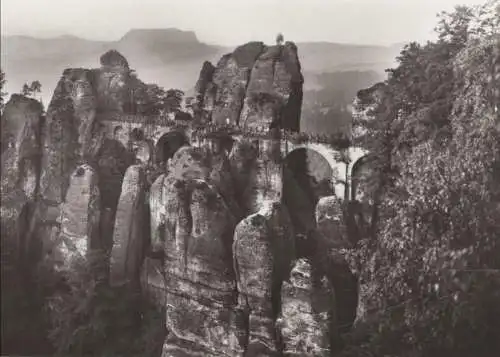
(173, 58)
(169, 57)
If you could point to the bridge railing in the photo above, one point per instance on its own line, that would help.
(155, 120)
(203, 129)
(339, 141)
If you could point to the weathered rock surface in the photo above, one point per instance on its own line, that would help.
(193, 225)
(263, 252)
(331, 244)
(198, 269)
(157, 205)
(331, 224)
(79, 219)
(73, 132)
(68, 132)
(243, 161)
(131, 233)
(275, 79)
(230, 82)
(22, 122)
(257, 173)
(209, 164)
(204, 80)
(256, 86)
(112, 82)
(14, 224)
(21, 127)
(307, 312)
(220, 281)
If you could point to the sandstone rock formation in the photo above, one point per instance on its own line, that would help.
(197, 227)
(263, 253)
(205, 78)
(112, 80)
(79, 220)
(22, 122)
(331, 245)
(130, 235)
(21, 130)
(66, 133)
(256, 86)
(307, 312)
(202, 225)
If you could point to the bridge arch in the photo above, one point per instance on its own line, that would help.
(323, 158)
(168, 144)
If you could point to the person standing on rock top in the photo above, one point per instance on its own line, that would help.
(279, 39)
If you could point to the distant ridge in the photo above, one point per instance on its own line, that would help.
(162, 36)
(169, 57)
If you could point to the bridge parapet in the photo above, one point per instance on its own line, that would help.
(336, 149)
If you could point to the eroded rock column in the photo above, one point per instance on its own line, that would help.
(131, 231)
(307, 312)
(331, 256)
(79, 220)
(194, 225)
(258, 173)
(263, 251)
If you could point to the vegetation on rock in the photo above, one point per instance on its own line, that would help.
(31, 90)
(429, 263)
(2, 93)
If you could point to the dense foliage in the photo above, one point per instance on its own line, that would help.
(430, 266)
(2, 93)
(32, 89)
(151, 99)
(90, 318)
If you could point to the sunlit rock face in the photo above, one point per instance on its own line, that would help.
(257, 173)
(243, 162)
(307, 312)
(69, 131)
(193, 225)
(256, 86)
(22, 122)
(230, 80)
(203, 83)
(79, 220)
(263, 252)
(112, 82)
(157, 204)
(131, 233)
(198, 269)
(274, 93)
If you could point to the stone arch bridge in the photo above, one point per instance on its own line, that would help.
(156, 138)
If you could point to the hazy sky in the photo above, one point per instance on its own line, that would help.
(230, 22)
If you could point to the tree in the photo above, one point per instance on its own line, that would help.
(31, 90)
(173, 100)
(26, 90)
(2, 93)
(36, 87)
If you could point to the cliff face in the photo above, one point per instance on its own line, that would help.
(22, 123)
(204, 229)
(256, 86)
